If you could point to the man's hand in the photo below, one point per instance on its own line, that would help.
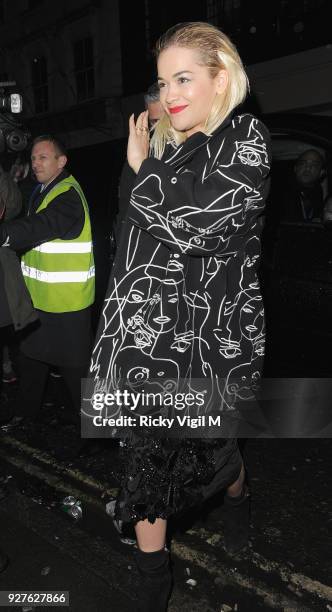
(138, 141)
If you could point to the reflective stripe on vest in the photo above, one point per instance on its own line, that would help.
(60, 273)
(58, 277)
(64, 247)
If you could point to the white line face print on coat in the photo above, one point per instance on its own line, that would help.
(184, 300)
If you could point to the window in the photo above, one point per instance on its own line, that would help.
(40, 83)
(84, 68)
(264, 30)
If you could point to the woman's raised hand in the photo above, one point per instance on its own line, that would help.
(138, 141)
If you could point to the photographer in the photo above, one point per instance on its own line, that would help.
(15, 302)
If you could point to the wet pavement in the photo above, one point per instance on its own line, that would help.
(287, 567)
(49, 554)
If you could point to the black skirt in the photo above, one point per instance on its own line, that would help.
(162, 477)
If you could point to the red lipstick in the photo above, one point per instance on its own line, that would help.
(177, 109)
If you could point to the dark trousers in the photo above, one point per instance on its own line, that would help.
(33, 380)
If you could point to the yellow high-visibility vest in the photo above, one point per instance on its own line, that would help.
(60, 274)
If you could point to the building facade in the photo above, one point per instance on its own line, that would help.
(65, 57)
(287, 48)
(82, 65)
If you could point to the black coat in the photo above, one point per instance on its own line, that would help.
(300, 205)
(15, 302)
(184, 300)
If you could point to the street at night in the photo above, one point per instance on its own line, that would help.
(286, 568)
(165, 233)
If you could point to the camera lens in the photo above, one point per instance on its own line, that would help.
(16, 140)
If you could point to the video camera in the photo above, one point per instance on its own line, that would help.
(13, 136)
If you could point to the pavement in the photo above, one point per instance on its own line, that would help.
(286, 568)
(47, 553)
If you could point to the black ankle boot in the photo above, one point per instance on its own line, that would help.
(156, 580)
(236, 515)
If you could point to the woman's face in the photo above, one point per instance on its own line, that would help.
(187, 90)
(252, 318)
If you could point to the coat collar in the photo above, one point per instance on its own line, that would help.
(63, 174)
(175, 156)
(37, 196)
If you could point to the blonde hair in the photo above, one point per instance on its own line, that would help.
(217, 53)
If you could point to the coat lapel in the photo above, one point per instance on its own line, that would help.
(184, 153)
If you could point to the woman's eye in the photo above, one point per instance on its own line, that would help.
(135, 297)
(183, 80)
(229, 353)
(161, 85)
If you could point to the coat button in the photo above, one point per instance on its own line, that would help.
(174, 180)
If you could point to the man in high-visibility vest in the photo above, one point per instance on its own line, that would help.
(58, 269)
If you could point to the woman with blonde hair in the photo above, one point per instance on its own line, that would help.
(184, 299)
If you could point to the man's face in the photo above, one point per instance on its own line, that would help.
(155, 110)
(308, 168)
(46, 162)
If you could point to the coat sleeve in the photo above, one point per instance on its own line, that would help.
(10, 197)
(199, 212)
(63, 218)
